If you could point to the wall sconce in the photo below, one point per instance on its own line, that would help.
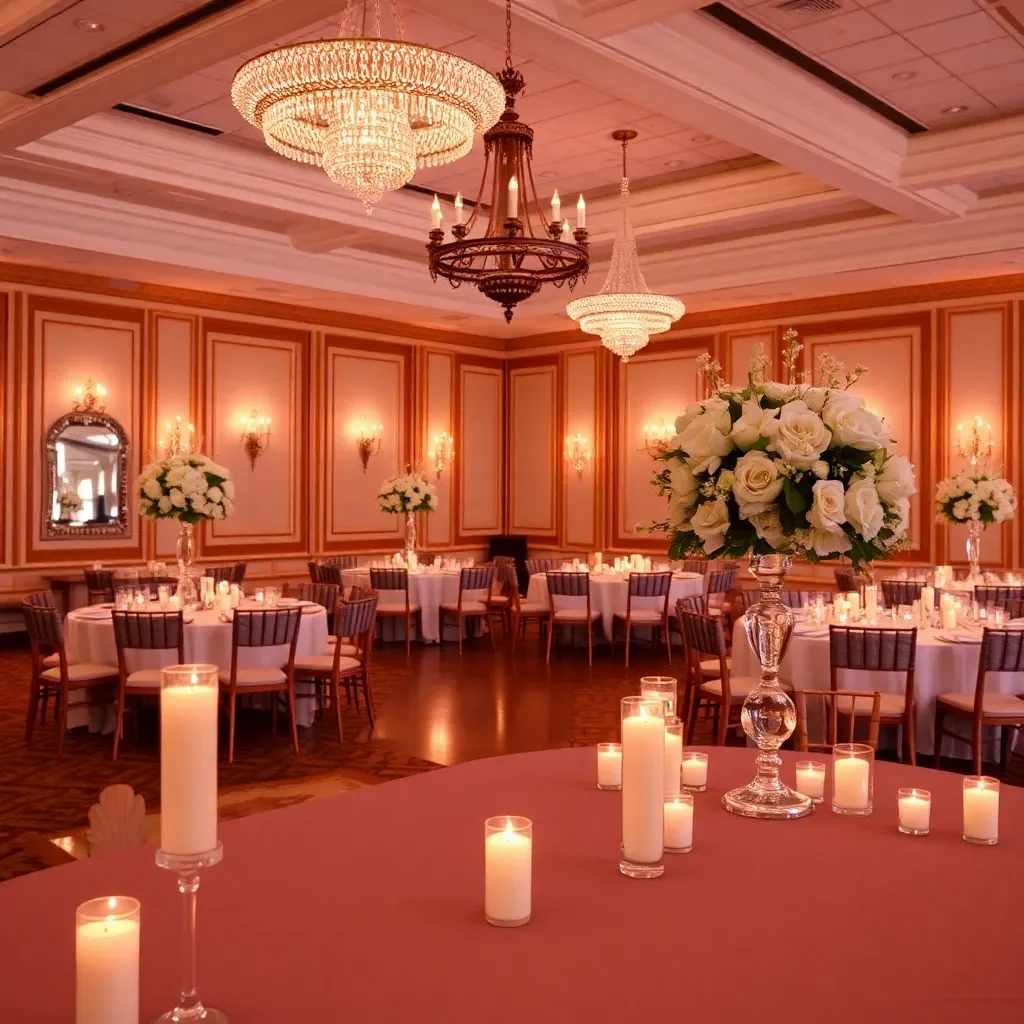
(657, 436)
(89, 398)
(976, 450)
(443, 452)
(175, 443)
(255, 436)
(577, 452)
(368, 442)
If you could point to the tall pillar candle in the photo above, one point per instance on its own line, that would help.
(107, 961)
(508, 870)
(673, 754)
(643, 780)
(871, 602)
(188, 759)
(928, 599)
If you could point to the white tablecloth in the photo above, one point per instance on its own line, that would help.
(940, 668)
(608, 594)
(89, 637)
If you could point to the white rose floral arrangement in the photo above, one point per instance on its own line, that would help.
(70, 503)
(408, 492)
(975, 499)
(186, 486)
(784, 468)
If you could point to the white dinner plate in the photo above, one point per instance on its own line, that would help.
(959, 638)
(289, 600)
(99, 613)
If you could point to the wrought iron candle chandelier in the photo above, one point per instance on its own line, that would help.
(509, 263)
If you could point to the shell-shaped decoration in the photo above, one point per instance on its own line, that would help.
(117, 820)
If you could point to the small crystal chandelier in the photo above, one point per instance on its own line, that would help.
(509, 263)
(624, 313)
(367, 109)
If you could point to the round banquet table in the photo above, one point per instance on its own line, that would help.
(89, 637)
(941, 667)
(609, 592)
(859, 922)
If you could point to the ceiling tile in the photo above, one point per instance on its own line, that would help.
(540, 78)
(566, 99)
(876, 53)
(957, 32)
(844, 30)
(982, 55)
(656, 124)
(429, 31)
(904, 14)
(1007, 78)
(923, 69)
(948, 92)
(606, 117)
(220, 114)
(177, 97)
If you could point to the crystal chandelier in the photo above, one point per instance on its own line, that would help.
(367, 109)
(509, 263)
(624, 313)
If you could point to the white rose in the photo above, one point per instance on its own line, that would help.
(711, 522)
(779, 392)
(851, 424)
(799, 435)
(814, 398)
(769, 527)
(229, 488)
(757, 483)
(215, 494)
(827, 513)
(820, 469)
(164, 504)
(900, 508)
(683, 484)
(175, 475)
(679, 513)
(217, 512)
(752, 424)
(863, 509)
(152, 489)
(717, 410)
(178, 499)
(895, 480)
(704, 445)
(682, 422)
(825, 542)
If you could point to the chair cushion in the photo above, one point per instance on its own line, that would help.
(712, 666)
(575, 614)
(347, 650)
(642, 615)
(256, 677)
(739, 686)
(995, 703)
(468, 607)
(323, 665)
(83, 672)
(534, 607)
(396, 609)
(499, 600)
(148, 678)
(892, 705)
(52, 660)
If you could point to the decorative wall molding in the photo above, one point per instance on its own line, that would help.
(953, 155)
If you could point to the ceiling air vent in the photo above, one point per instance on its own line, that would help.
(810, 6)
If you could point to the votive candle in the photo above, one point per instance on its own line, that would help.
(851, 778)
(679, 823)
(810, 780)
(673, 753)
(695, 771)
(508, 870)
(107, 961)
(915, 811)
(609, 766)
(981, 810)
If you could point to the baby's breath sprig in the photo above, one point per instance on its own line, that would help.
(712, 370)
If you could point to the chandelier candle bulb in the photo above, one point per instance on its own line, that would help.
(556, 209)
(981, 810)
(673, 753)
(643, 778)
(679, 823)
(513, 198)
(458, 208)
(609, 766)
(915, 811)
(107, 961)
(435, 213)
(508, 870)
(810, 780)
(695, 771)
(851, 779)
(581, 214)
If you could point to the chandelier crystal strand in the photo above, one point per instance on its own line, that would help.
(624, 314)
(369, 110)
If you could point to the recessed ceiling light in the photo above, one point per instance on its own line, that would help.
(904, 76)
(700, 138)
(674, 163)
(547, 174)
(88, 25)
(958, 109)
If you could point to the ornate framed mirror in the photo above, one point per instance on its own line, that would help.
(85, 483)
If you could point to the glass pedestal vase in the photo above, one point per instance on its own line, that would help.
(769, 715)
(410, 535)
(974, 532)
(187, 595)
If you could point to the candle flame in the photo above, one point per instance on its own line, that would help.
(509, 832)
(194, 680)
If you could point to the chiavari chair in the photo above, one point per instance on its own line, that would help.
(382, 580)
(997, 595)
(563, 585)
(846, 581)
(650, 585)
(897, 592)
(474, 601)
(100, 585)
(857, 704)
(326, 595)
(536, 565)
(523, 611)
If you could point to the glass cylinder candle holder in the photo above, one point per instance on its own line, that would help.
(981, 810)
(107, 961)
(852, 770)
(679, 823)
(915, 810)
(140, 600)
(609, 766)
(695, 771)
(673, 754)
(643, 783)
(810, 780)
(508, 870)
(665, 687)
(163, 595)
(257, 595)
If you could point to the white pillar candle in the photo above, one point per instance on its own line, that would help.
(679, 823)
(810, 779)
(853, 603)
(223, 587)
(643, 778)
(695, 770)
(598, 558)
(174, 602)
(609, 765)
(235, 594)
(851, 778)
(871, 603)
(508, 870)
(981, 809)
(673, 755)
(188, 759)
(107, 961)
(915, 810)
(949, 616)
(928, 599)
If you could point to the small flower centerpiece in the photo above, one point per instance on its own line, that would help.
(407, 494)
(772, 470)
(69, 503)
(191, 488)
(977, 498)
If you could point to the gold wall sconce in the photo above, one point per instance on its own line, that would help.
(442, 452)
(977, 447)
(368, 442)
(255, 436)
(178, 441)
(577, 452)
(657, 436)
(90, 397)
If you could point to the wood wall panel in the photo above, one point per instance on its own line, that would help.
(534, 483)
(581, 508)
(6, 474)
(438, 406)
(480, 469)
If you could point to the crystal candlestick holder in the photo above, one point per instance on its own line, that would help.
(190, 1007)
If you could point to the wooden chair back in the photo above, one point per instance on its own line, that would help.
(568, 584)
(897, 592)
(998, 595)
(270, 627)
(238, 572)
(865, 649)
(1014, 607)
(536, 565)
(150, 631)
(220, 573)
(700, 565)
(650, 584)
(836, 704)
(358, 621)
(42, 599)
(803, 598)
(343, 561)
(324, 594)
(43, 624)
(100, 584)
(693, 605)
(359, 593)
(475, 579)
(721, 581)
(389, 579)
(846, 581)
(704, 634)
(314, 570)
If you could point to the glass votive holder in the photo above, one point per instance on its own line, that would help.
(981, 810)
(643, 783)
(508, 870)
(272, 596)
(140, 599)
(163, 595)
(997, 617)
(609, 766)
(679, 823)
(665, 687)
(123, 599)
(107, 960)
(852, 769)
(673, 754)
(258, 595)
(695, 771)
(915, 811)
(810, 780)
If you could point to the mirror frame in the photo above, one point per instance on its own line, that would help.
(118, 526)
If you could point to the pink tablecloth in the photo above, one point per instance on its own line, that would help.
(368, 907)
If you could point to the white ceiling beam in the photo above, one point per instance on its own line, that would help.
(703, 74)
(936, 159)
(18, 15)
(216, 38)
(599, 18)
